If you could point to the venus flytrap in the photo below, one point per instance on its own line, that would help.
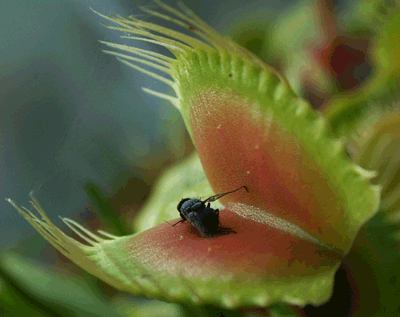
(306, 201)
(373, 261)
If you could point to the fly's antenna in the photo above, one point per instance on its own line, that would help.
(218, 196)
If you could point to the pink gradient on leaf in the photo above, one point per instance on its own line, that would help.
(241, 145)
(256, 251)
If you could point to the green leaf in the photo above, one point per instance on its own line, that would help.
(346, 110)
(374, 260)
(16, 302)
(35, 287)
(140, 307)
(386, 48)
(373, 264)
(306, 199)
(378, 143)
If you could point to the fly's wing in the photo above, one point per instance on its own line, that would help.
(225, 230)
(196, 219)
(206, 223)
(211, 221)
(206, 230)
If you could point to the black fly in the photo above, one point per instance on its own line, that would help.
(201, 216)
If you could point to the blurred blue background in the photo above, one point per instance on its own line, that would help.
(70, 113)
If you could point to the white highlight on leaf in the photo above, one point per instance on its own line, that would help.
(259, 215)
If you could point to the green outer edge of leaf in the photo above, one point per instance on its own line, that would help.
(141, 279)
(211, 70)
